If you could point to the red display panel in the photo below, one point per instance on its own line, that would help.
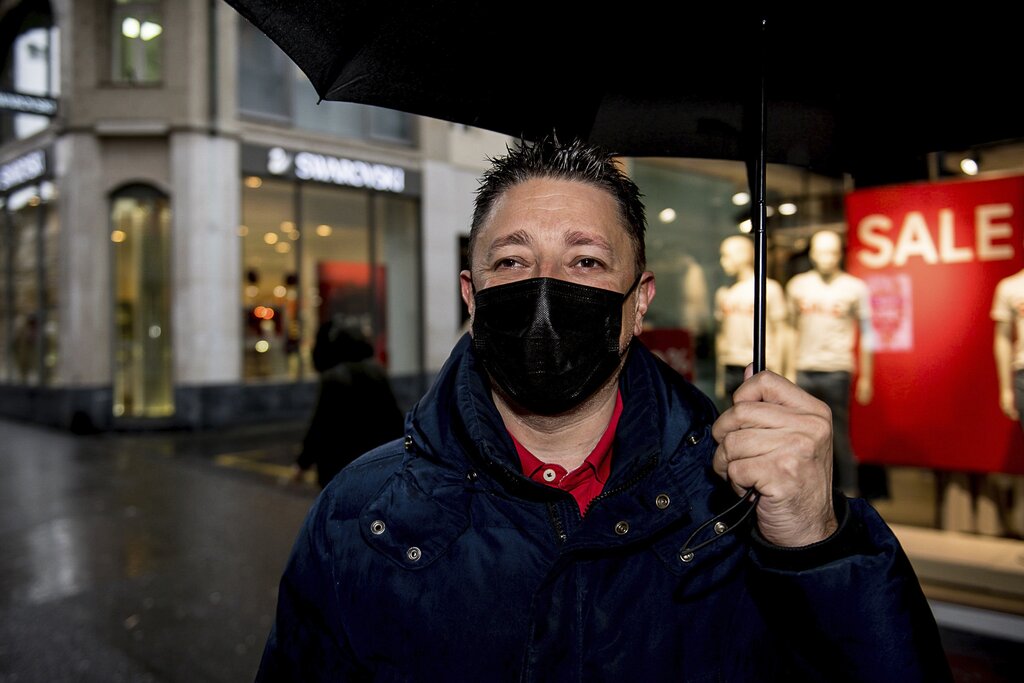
(674, 346)
(932, 255)
(345, 289)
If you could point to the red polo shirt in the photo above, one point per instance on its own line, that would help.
(586, 481)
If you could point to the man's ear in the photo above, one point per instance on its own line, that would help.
(466, 288)
(644, 295)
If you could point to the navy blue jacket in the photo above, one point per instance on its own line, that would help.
(434, 559)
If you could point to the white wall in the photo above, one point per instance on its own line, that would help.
(84, 318)
(206, 260)
(447, 212)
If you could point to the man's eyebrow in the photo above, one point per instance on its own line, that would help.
(518, 238)
(580, 238)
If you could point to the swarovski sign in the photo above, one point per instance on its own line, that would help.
(29, 104)
(336, 170)
(23, 169)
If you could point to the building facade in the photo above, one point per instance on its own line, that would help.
(180, 215)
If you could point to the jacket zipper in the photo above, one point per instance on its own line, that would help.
(556, 522)
(629, 483)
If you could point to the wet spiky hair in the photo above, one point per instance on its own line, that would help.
(575, 160)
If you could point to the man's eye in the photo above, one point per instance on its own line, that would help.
(587, 262)
(506, 263)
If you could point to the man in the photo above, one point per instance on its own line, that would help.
(356, 408)
(734, 313)
(830, 315)
(565, 507)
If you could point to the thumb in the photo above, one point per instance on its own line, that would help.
(748, 371)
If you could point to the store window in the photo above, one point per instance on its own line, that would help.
(136, 31)
(271, 88)
(143, 363)
(396, 250)
(336, 263)
(263, 72)
(270, 241)
(688, 216)
(30, 77)
(312, 253)
(28, 286)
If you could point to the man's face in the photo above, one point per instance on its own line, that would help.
(559, 229)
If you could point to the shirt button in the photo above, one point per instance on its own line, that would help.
(549, 474)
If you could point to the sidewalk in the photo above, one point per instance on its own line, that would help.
(137, 558)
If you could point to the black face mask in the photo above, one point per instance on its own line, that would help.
(547, 343)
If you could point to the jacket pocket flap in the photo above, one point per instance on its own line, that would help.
(410, 526)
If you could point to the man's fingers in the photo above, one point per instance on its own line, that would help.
(770, 387)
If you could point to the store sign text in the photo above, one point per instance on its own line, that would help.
(30, 104)
(22, 170)
(339, 171)
(993, 235)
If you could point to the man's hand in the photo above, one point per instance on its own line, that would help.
(777, 438)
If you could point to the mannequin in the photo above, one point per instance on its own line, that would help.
(1008, 314)
(1007, 491)
(734, 313)
(828, 308)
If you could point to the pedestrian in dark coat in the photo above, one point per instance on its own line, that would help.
(356, 409)
(564, 507)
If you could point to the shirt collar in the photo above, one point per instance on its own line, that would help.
(598, 464)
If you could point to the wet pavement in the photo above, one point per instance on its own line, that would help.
(139, 558)
(155, 557)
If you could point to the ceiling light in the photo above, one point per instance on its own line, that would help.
(130, 27)
(150, 30)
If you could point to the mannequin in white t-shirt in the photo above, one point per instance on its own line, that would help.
(734, 316)
(1008, 344)
(832, 340)
(1003, 494)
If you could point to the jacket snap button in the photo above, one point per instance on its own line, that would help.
(622, 528)
(686, 557)
(720, 527)
(376, 527)
(413, 554)
(471, 476)
(408, 441)
(662, 501)
(694, 439)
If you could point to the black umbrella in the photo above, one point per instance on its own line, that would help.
(851, 90)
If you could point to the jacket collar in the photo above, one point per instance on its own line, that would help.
(457, 425)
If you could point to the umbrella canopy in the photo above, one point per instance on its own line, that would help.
(843, 87)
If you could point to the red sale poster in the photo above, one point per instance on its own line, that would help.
(674, 346)
(932, 255)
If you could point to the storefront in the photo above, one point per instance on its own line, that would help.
(28, 270)
(328, 237)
